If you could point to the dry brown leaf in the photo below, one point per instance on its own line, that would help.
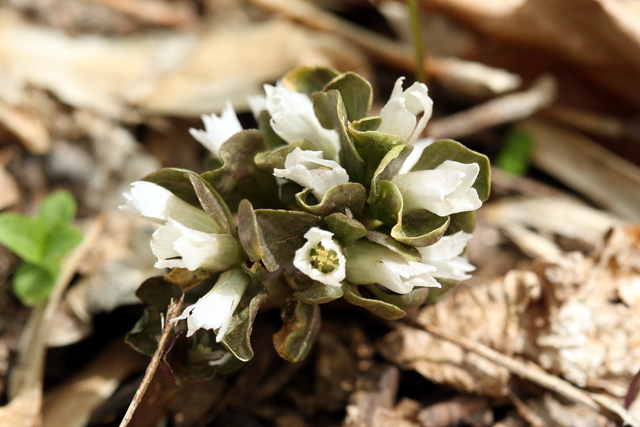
(9, 194)
(71, 403)
(588, 337)
(489, 314)
(171, 72)
(600, 37)
(587, 167)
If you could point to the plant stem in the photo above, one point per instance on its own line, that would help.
(414, 12)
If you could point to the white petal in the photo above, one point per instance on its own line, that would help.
(217, 129)
(257, 104)
(399, 115)
(310, 170)
(369, 263)
(444, 190)
(293, 118)
(155, 202)
(302, 260)
(414, 156)
(215, 309)
(445, 255)
(178, 246)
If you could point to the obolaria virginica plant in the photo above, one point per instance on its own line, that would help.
(322, 202)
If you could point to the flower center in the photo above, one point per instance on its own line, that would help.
(324, 260)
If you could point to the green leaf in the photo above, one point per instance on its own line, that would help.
(238, 337)
(24, 236)
(420, 228)
(307, 79)
(272, 236)
(387, 204)
(465, 221)
(356, 92)
(346, 229)
(212, 203)
(59, 206)
(350, 196)
(60, 240)
(330, 111)
(301, 325)
(239, 177)
(157, 294)
(435, 294)
(33, 283)
(407, 251)
(515, 154)
(177, 181)
(383, 155)
(319, 293)
(274, 159)
(379, 308)
(446, 149)
(413, 299)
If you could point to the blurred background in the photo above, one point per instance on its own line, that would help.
(95, 94)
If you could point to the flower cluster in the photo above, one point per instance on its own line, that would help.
(321, 202)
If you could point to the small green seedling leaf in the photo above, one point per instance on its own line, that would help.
(58, 206)
(514, 156)
(24, 236)
(32, 283)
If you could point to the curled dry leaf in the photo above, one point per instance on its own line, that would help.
(489, 314)
(173, 72)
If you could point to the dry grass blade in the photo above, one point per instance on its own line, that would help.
(505, 109)
(533, 373)
(172, 312)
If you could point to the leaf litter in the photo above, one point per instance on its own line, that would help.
(558, 282)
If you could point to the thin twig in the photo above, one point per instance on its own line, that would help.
(505, 109)
(532, 373)
(172, 312)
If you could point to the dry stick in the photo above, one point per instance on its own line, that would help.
(390, 51)
(532, 373)
(172, 312)
(505, 109)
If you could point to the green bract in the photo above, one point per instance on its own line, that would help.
(324, 205)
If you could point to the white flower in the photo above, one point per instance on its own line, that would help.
(444, 255)
(214, 310)
(257, 104)
(158, 204)
(310, 170)
(399, 115)
(444, 190)
(293, 118)
(217, 129)
(414, 156)
(369, 262)
(176, 245)
(189, 238)
(321, 258)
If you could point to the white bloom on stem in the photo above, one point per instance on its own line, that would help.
(414, 156)
(215, 309)
(400, 113)
(178, 246)
(445, 190)
(154, 202)
(369, 263)
(189, 238)
(293, 118)
(445, 256)
(217, 129)
(310, 170)
(321, 258)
